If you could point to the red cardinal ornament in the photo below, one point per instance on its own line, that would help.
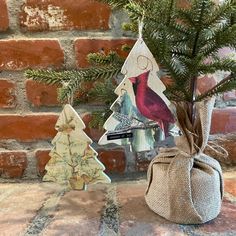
(150, 104)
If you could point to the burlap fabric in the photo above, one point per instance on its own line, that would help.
(185, 185)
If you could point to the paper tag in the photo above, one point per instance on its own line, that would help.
(114, 136)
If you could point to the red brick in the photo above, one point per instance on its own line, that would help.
(142, 165)
(41, 94)
(142, 161)
(42, 157)
(85, 46)
(22, 54)
(39, 15)
(28, 127)
(114, 160)
(7, 94)
(230, 146)
(230, 95)
(229, 143)
(205, 83)
(4, 20)
(82, 94)
(94, 133)
(12, 164)
(224, 120)
(183, 3)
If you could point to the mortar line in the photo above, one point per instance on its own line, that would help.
(109, 222)
(63, 35)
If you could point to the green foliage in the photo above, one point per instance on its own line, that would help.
(89, 74)
(101, 59)
(99, 118)
(184, 42)
(102, 73)
(226, 84)
(105, 68)
(104, 92)
(47, 76)
(130, 27)
(119, 4)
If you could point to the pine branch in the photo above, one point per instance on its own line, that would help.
(104, 91)
(132, 26)
(115, 4)
(90, 74)
(200, 8)
(180, 54)
(181, 40)
(99, 118)
(101, 59)
(175, 95)
(186, 17)
(134, 10)
(48, 76)
(223, 65)
(220, 12)
(227, 84)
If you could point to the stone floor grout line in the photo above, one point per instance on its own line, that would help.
(109, 225)
(44, 214)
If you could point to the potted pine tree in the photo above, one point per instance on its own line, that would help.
(185, 185)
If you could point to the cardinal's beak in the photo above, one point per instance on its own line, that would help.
(132, 80)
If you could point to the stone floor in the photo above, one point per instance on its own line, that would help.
(33, 208)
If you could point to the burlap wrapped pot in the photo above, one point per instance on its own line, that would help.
(184, 184)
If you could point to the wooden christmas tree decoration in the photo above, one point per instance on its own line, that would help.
(127, 124)
(73, 161)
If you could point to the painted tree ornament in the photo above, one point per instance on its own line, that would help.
(73, 161)
(127, 118)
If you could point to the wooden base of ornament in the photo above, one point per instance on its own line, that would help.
(77, 183)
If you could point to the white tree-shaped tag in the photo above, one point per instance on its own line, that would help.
(73, 161)
(128, 118)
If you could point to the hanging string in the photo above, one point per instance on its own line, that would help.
(140, 26)
(70, 97)
(143, 64)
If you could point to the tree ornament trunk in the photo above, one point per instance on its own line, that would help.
(77, 183)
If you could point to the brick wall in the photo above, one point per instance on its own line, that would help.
(59, 34)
